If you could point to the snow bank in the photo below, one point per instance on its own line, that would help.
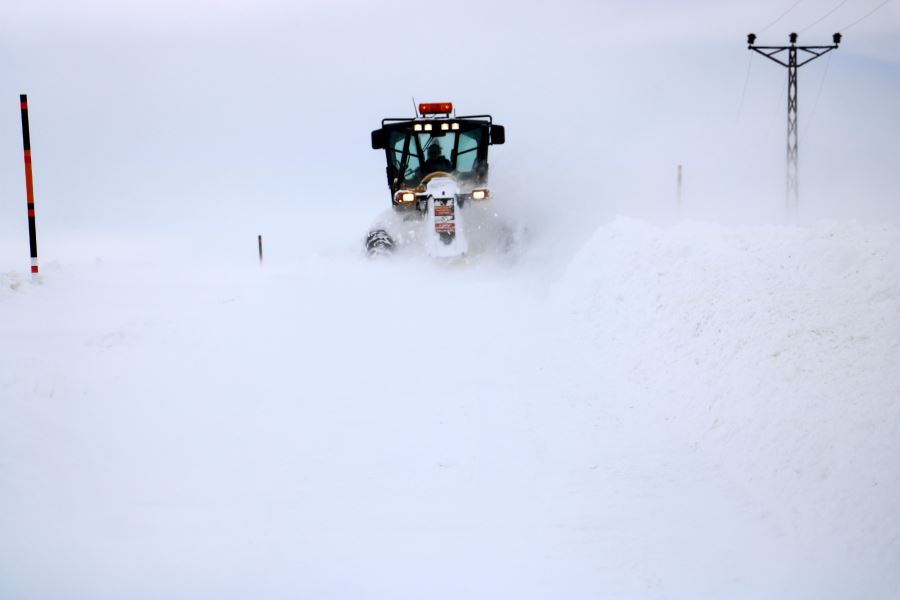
(10, 282)
(775, 353)
(688, 412)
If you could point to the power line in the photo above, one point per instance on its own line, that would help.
(825, 16)
(783, 15)
(818, 95)
(865, 16)
(779, 105)
(744, 91)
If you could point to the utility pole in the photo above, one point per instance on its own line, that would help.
(794, 62)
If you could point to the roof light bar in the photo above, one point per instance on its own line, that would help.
(436, 108)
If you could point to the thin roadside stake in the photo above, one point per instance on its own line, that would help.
(29, 185)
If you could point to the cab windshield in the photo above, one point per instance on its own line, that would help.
(415, 155)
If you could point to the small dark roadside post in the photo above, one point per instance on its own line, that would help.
(29, 185)
(679, 189)
(259, 240)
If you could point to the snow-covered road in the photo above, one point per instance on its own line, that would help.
(684, 412)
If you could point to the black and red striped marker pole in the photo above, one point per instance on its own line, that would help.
(29, 183)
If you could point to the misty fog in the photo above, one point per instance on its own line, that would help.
(160, 116)
(646, 394)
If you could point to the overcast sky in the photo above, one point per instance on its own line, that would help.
(150, 114)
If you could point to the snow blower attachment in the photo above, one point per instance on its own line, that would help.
(436, 163)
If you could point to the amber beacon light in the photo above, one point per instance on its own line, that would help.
(435, 108)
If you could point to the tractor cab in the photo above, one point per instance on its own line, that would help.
(436, 144)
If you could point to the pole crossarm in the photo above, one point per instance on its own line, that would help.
(770, 55)
(816, 52)
(770, 52)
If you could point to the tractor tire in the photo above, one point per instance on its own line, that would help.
(379, 243)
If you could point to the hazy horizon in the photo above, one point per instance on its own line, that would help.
(166, 116)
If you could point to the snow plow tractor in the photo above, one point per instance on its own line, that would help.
(437, 164)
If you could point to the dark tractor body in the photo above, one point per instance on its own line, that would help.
(436, 163)
(463, 142)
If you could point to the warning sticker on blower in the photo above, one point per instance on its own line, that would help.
(444, 216)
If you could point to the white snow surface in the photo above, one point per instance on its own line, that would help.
(689, 411)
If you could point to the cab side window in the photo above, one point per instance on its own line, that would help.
(467, 152)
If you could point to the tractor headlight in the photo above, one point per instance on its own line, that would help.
(404, 196)
(482, 194)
